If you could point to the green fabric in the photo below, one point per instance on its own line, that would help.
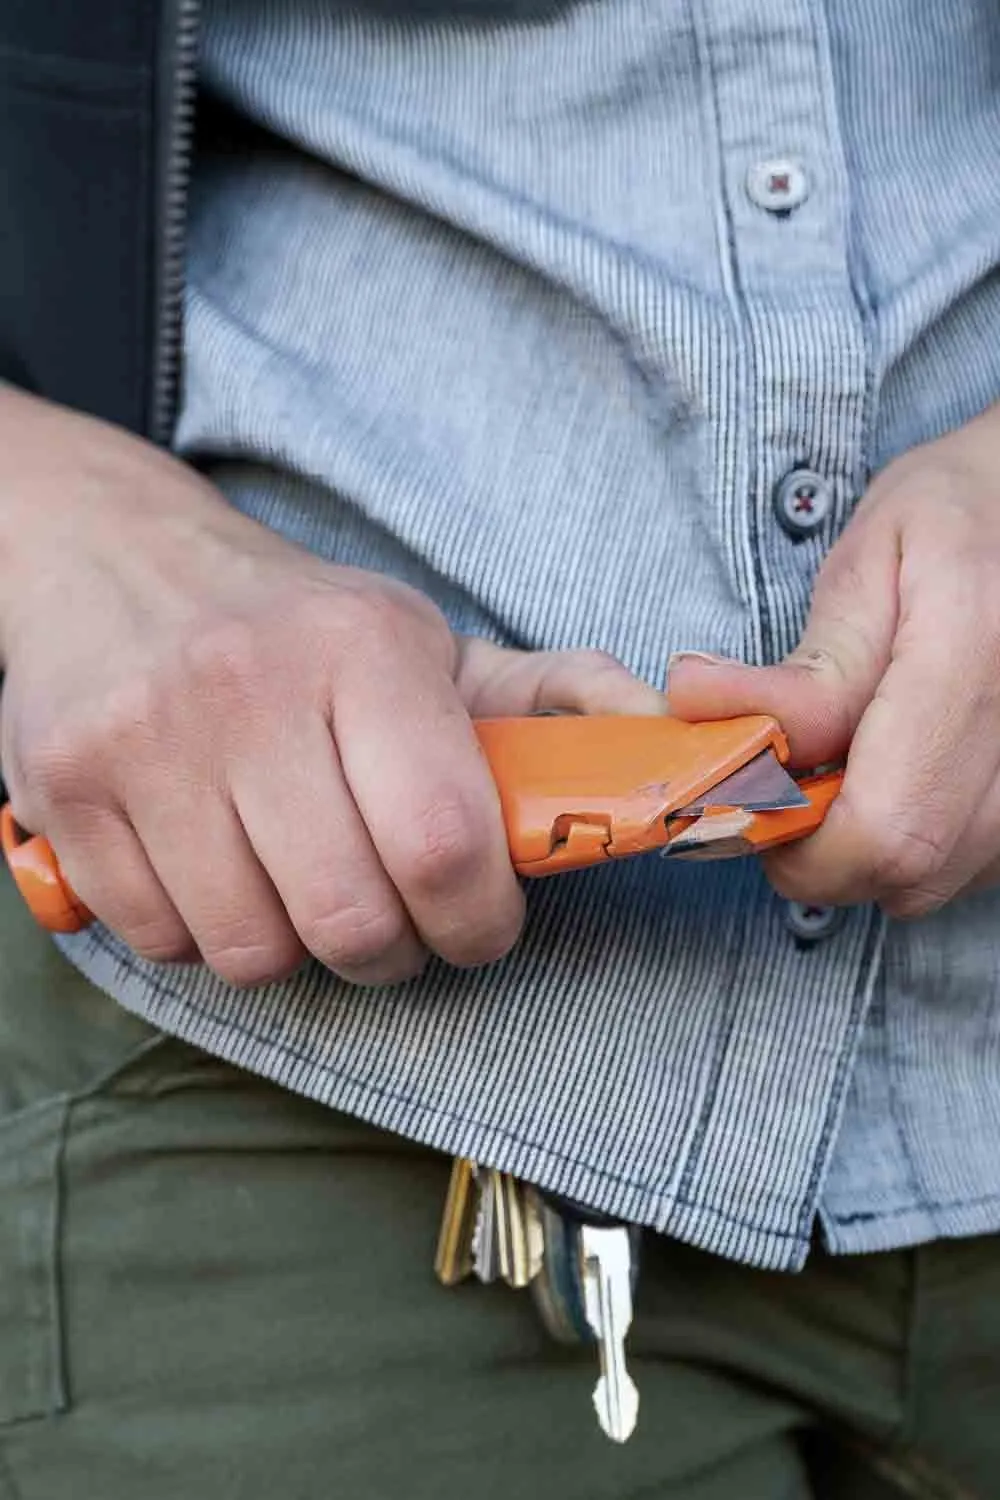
(210, 1288)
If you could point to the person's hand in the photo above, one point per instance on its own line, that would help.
(900, 664)
(237, 749)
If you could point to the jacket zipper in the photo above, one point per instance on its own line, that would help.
(178, 63)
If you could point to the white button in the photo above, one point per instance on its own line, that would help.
(802, 501)
(779, 185)
(811, 924)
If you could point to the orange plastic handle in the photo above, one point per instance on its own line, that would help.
(574, 790)
(578, 789)
(38, 877)
(772, 828)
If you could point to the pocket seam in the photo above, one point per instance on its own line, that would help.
(31, 1173)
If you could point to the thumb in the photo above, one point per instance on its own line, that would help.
(497, 682)
(820, 691)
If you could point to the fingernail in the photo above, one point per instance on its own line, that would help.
(704, 657)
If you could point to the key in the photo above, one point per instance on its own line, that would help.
(605, 1261)
(507, 1226)
(507, 1242)
(518, 1233)
(556, 1290)
(534, 1237)
(453, 1261)
(485, 1250)
(570, 1301)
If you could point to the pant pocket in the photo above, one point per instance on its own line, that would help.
(31, 1356)
(33, 1144)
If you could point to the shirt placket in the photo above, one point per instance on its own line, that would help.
(799, 307)
(797, 297)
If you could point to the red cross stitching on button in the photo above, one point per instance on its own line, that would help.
(804, 500)
(777, 184)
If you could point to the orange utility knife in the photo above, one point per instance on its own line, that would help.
(577, 790)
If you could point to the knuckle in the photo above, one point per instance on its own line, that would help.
(130, 703)
(359, 617)
(443, 849)
(353, 937)
(160, 941)
(394, 968)
(908, 858)
(59, 765)
(243, 957)
(486, 944)
(71, 761)
(910, 905)
(225, 657)
(596, 660)
(246, 968)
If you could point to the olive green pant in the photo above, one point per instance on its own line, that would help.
(210, 1288)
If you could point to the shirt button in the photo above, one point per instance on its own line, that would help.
(779, 184)
(811, 924)
(802, 502)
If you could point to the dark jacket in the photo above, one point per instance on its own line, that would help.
(96, 100)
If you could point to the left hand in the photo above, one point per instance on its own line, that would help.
(899, 668)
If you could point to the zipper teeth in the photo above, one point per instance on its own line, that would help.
(169, 330)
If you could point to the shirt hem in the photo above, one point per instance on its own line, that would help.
(703, 1225)
(866, 1233)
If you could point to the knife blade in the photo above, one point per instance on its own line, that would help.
(762, 785)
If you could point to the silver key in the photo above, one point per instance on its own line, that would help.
(507, 1239)
(606, 1276)
(485, 1247)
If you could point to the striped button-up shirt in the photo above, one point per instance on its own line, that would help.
(593, 320)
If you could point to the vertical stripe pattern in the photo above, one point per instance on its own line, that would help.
(492, 309)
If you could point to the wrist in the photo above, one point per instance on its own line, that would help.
(47, 480)
(17, 521)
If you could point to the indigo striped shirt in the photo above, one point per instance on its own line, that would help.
(538, 305)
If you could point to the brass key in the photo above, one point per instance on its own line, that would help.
(490, 1226)
(454, 1261)
(518, 1233)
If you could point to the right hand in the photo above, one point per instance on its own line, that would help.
(240, 751)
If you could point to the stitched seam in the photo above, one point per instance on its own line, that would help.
(151, 1044)
(868, 972)
(41, 1303)
(680, 1200)
(42, 1106)
(734, 301)
(761, 613)
(858, 272)
(711, 1094)
(933, 1205)
(158, 986)
(60, 1386)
